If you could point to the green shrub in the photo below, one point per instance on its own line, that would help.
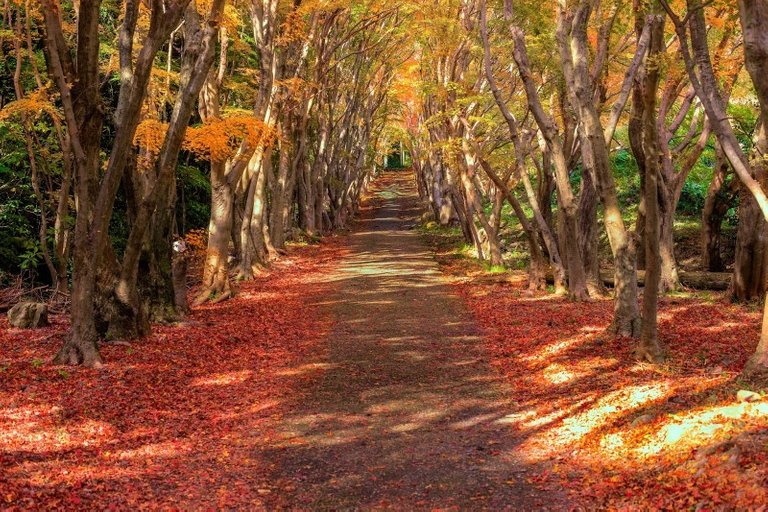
(692, 198)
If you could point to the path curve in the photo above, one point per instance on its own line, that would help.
(408, 414)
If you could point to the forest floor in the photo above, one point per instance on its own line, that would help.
(619, 434)
(380, 371)
(180, 420)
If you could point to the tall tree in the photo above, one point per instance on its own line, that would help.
(77, 75)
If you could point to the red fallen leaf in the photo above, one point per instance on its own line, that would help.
(574, 388)
(148, 428)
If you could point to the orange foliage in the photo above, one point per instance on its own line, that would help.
(219, 139)
(196, 240)
(293, 29)
(150, 135)
(34, 105)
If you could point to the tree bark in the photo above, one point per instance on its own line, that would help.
(216, 283)
(574, 51)
(589, 235)
(750, 267)
(648, 348)
(721, 197)
(577, 285)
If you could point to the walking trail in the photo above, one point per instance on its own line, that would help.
(408, 414)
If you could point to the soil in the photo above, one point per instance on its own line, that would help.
(408, 413)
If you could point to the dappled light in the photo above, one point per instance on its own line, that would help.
(354, 369)
(602, 422)
(179, 417)
(223, 379)
(409, 255)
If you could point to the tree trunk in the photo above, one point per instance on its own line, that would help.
(666, 203)
(545, 187)
(574, 52)
(475, 208)
(538, 267)
(180, 265)
(721, 197)
(749, 268)
(281, 187)
(635, 131)
(81, 345)
(156, 281)
(444, 192)
(254, 255)
(577, 283)
(754, 20)
(216, 283)
(589, 236)
(648, 348)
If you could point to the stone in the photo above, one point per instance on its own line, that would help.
(717, 370)
(643, 419)
(28, 315)
(744, 395)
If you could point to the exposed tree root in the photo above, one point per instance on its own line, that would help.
(218, 292)
(626, 328)
(650, 354)
(119, 343)
(756, 369)
(74, 354)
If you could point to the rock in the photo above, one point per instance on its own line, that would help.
(748, 396)
(717, 370)
(28, 315)
(643, 420)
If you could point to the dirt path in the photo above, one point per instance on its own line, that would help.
(407, 415)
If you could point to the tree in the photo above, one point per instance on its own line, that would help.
(78, 80)
(692, 34)
(648, 347)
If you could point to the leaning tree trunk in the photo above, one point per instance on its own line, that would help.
(120, 315)
(574, 53)
(475, 208)
(155, 283)
(577, 282)
(537, 271)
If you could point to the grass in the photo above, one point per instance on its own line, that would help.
(450, 243)
(687, 238)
